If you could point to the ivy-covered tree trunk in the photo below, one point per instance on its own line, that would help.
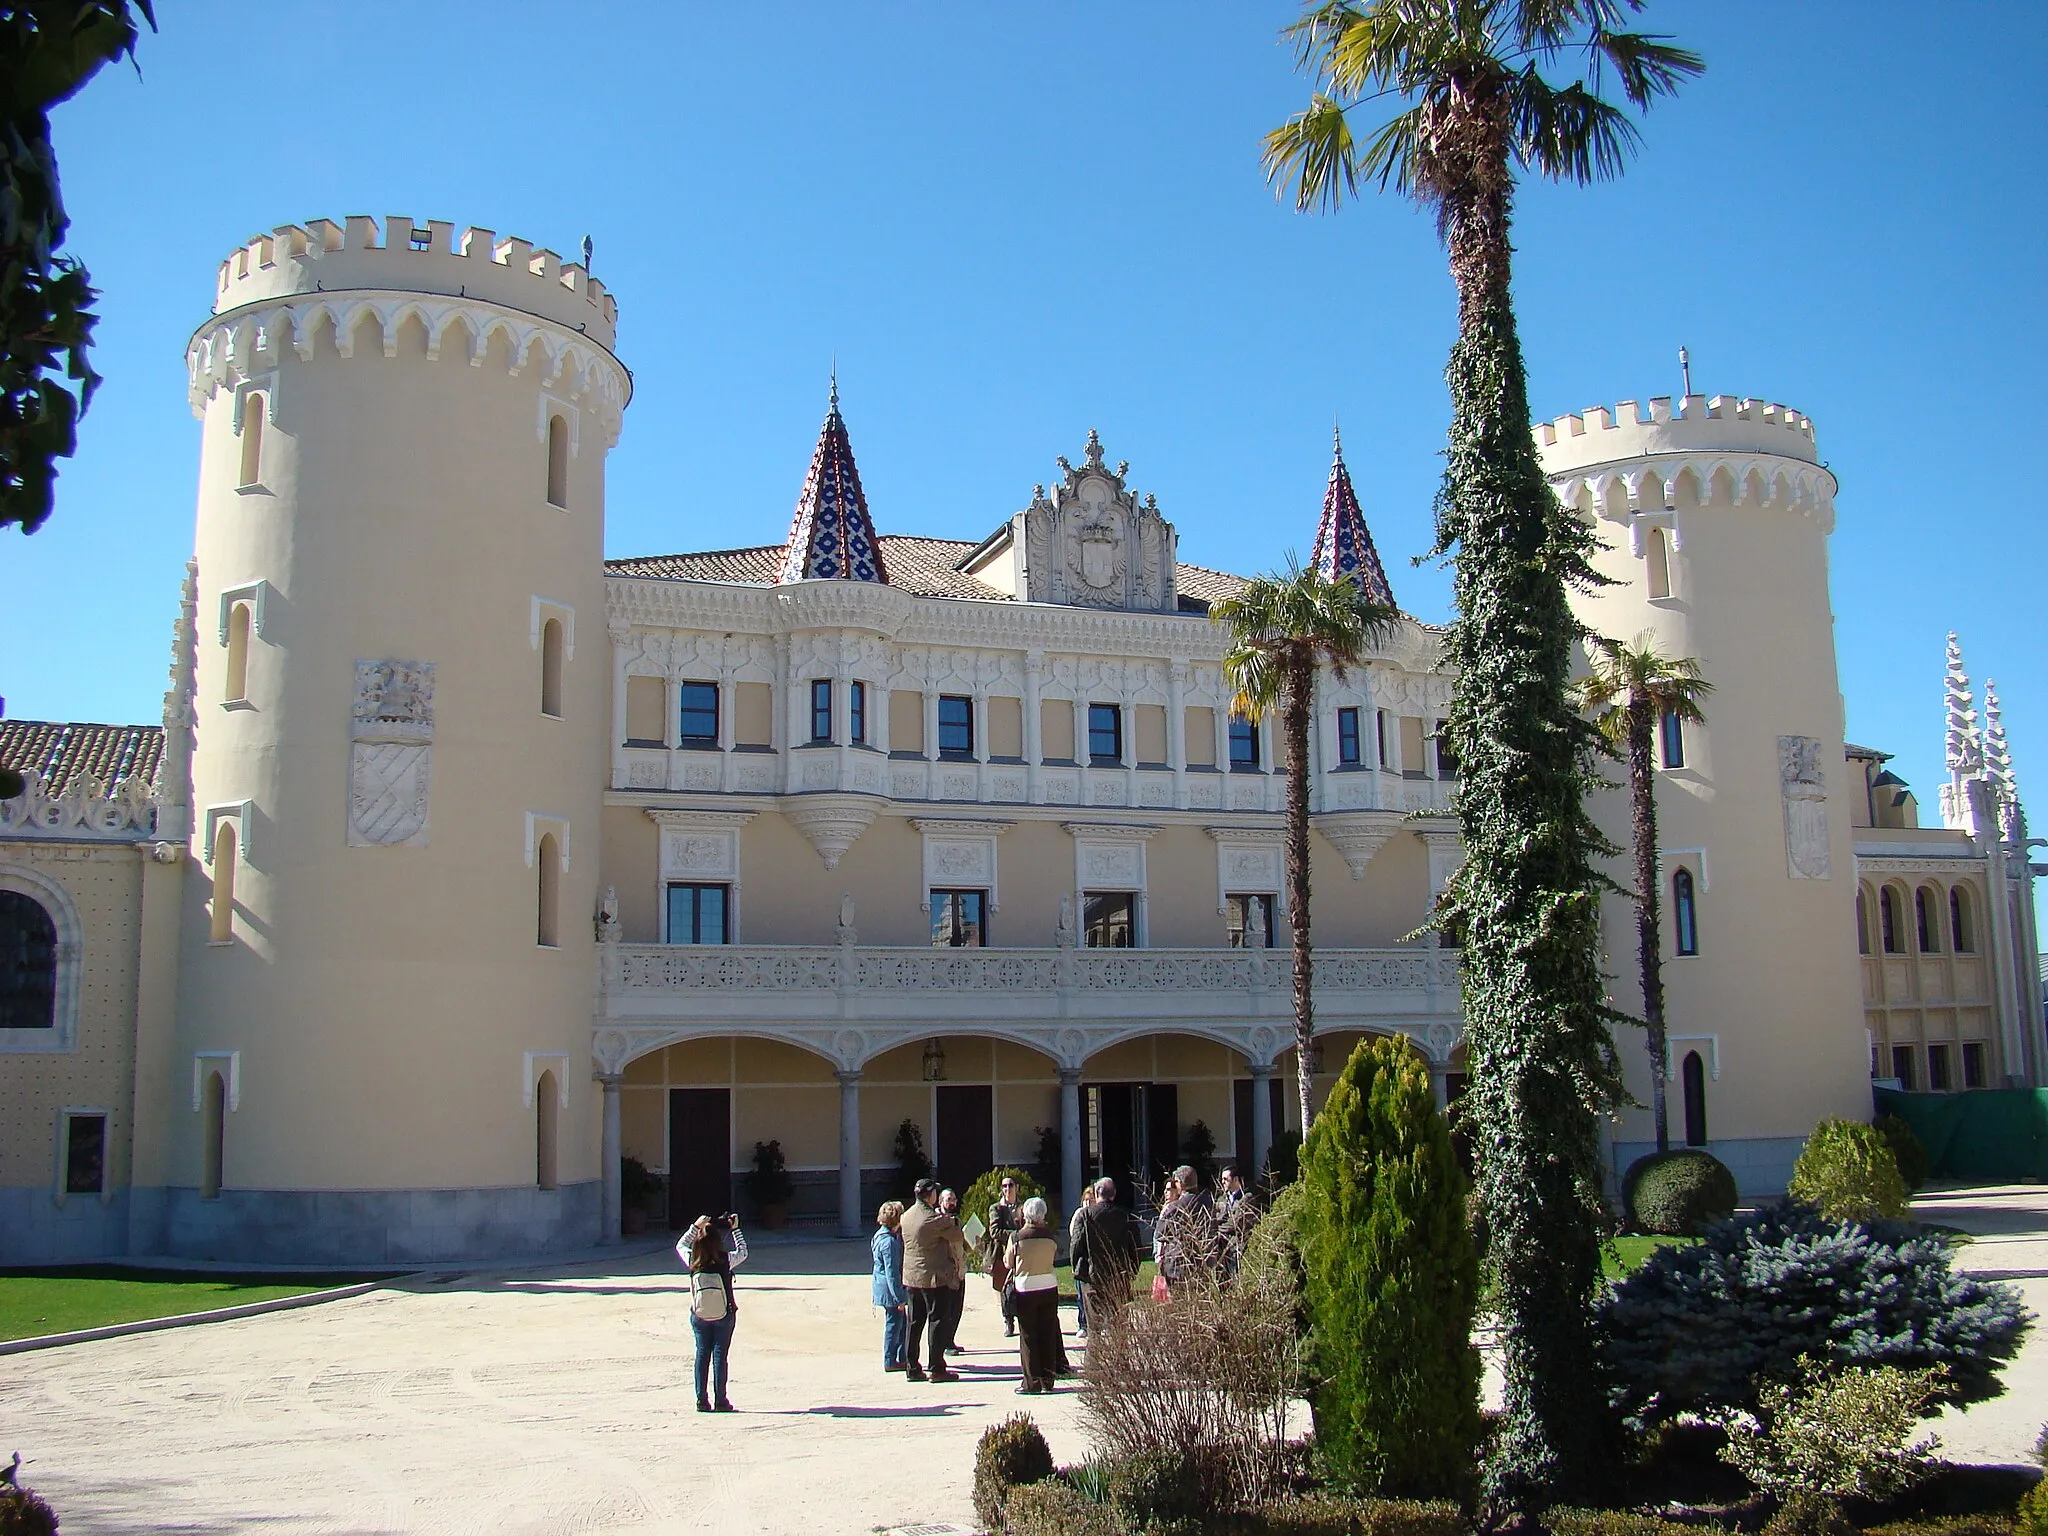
(1295, 704)
(1642, 785)
(1528, 894)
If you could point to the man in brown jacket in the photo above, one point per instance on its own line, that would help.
(930, 1271)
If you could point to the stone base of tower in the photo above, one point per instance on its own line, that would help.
(34, 1229)
(1762, 1165)
(365, 1227)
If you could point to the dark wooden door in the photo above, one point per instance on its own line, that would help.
(699, 1154)
(1162, 1131)
(964, 1144)
(1117, 1155)
(1241, 1120)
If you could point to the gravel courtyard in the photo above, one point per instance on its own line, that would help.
(558, 1400)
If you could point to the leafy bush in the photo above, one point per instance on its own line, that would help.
(1272, 1253)
(1847, 1172)
(1198, 1151)
(1391, 1278)
(1324, 1514)
(1009, 1455)
(1809, 1514)
(1055, 1508)
(1202, 1382)
(977, 1197)
(1840, 1434)
(1952, 1525)
(1702, 1328)
(1612, 1522)
(1676, 1193)
(1159, 1491)
(2033, 1512)
(22, 1513)
(1283, 1160)
(911, 1162)
(1907, 1149)
(769, 1182)
(1045, 1164)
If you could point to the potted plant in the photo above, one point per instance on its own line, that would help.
(637, 1189)
(770, 1184)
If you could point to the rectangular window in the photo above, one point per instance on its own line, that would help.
(1937, 1068)
(857, 713)
(1672, 731)
(1109, 920)
(1106, 732)
(1244, 743)
(821, 709)
(1249, 921)
(1902, 1066)
(959, 919)
(1347, 736)
(85, 1154)
(1446, 754)
(699, 721)
(1973, 1064)
(956, 726)
(698, 914)
(1379, 737)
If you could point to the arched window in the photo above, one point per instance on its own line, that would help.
(1891, 920)
(213, 1132)
(255, 404)
(1657, 553)
(28, 963)
(1962, 921)
(224, 850)
(1862, 926)
(1694, 1073)
(237, 688)
(1927, 919)
(546, 1111)
(551, 668)
(558, 461)
(1684, 917)
(548, 879)
(1673, 731)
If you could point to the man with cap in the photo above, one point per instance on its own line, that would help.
(931, 1270)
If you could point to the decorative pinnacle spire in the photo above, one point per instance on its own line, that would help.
(1965, 751)
(1344, 544)
(2012, 820)
(832, 538)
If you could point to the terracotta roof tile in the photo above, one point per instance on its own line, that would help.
(59, 751)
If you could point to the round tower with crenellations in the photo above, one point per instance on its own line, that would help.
(382, 1040)
(1713, 520)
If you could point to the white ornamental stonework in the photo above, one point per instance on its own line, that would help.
(391, 733)
(1804, 783)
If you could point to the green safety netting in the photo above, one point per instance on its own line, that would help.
(1985, 1133)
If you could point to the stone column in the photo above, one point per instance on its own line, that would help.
(1440, 1085)
(849, 1153)
(1177, 729)
(1262, 1118)
(1034, 722)
(619, 637)
(610, 1152)
(1070, 1136)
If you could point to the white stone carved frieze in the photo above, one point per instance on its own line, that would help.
(1804, 782)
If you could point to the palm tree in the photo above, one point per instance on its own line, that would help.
(1631, 689)
(1470, 108)
(1283, 631)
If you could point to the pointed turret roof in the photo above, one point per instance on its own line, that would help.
(1344, 544)
(832, 538)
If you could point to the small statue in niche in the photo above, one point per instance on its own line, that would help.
(1063, 934)
(848, 934)
(608, 916)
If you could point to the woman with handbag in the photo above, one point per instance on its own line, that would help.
(712, 1250)
(1032, 1252)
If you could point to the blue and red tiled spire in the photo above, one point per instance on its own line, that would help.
(1344, 544)
(832, 538)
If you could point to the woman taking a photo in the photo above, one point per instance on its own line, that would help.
(1033, 1252)
(713, 1250)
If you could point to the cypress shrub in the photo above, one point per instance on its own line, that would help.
(22, 1513)
(1009, 1455)
(1676, 1193)
(1390, 1279)
(1848, 1173)
(1908, 1151)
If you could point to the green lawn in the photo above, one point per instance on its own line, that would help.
(1143, 1287)
(39, 1301)
(1624, 1255)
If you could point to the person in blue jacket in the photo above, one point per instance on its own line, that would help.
(888, 1290)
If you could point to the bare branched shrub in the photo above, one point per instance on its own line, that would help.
(1203, 1379)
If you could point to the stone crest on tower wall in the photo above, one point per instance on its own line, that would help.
(391, 733)
(1093, 544)
(1804, 783)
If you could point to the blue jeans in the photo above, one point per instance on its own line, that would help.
(895, 1330)
(714, 1344)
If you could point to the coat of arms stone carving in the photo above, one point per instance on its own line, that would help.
(391, 731)
(1806, 808)
(1093, 543)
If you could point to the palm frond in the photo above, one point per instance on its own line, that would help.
(1315, 150)
(1570, 134)
(1647, 64)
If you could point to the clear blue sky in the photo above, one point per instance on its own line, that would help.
(1012, 223)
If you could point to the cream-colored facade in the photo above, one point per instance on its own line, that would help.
(475, 863)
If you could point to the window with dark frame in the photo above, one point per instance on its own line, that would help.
(1109, 920)
(821, 709)
(1961, 931)
(697, 725)
(28, 963)
(956, 726)
(1379, 737)
(1347, 737)
(699, 914)
(1902, 1066)
(1888, 920)
(1446, 754)
(1106, 732)
(1248, 919)
(1937, 1068)
(1973, 1064)
(85, 1154)
(1244, 742)
(1685, 918)
(1673, 732)
(959, 919)
(857, 713)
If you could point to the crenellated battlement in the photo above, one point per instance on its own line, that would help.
(405, 257)
(1701, 423)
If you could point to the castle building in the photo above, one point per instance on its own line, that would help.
(417, 916)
